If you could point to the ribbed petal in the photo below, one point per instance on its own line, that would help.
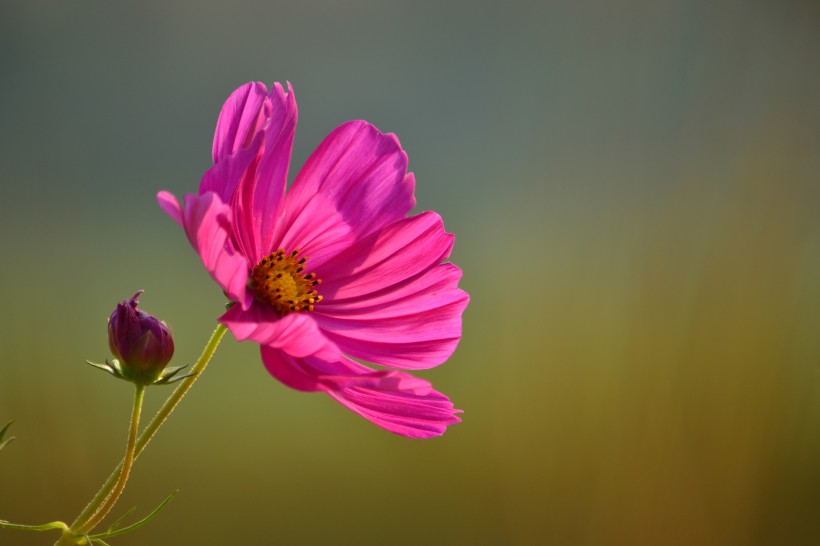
(259, 198)
(293, 338)
(401, 404)
(395, 401)
(224, 177)
(400, 251)
(262, 325)
(205, 219)
(238, 139)
(354, 183)
(170, 205)
(413, 325)
(241, 117)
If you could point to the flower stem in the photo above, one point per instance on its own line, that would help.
(127, 463)
(153, 426)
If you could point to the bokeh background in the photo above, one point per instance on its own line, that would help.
(634, 187)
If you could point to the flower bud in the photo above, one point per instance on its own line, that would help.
(142, 343)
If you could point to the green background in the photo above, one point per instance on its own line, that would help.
(634, 187)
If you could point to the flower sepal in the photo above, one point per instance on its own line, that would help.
(168, 375)
(171, 375)
(111, 366)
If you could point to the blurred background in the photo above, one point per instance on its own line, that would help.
(634, 187)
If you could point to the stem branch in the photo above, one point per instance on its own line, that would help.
(151, 429)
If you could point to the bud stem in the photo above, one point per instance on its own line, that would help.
(150, 430)
(127, 463)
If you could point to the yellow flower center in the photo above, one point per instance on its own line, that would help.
(280, 280)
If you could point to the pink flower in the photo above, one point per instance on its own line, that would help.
(331, 269)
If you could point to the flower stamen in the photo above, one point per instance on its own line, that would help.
(280, 281)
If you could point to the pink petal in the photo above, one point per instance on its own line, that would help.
(386, 258)
(242, 116)
(324, 236)
(415, 293)
(356, 178)
(413, 325)
(291, 371)
(170, 205)
(395, 407)
(260, 195)
(261, 324)
(205, 219)
(238, 139)
(224, 177)
(395, 401)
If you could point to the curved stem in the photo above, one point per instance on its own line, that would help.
(128, 462)
(152, 427)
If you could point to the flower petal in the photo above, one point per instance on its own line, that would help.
(260, 195)
(241, 117)
(224, 177)
(356, 180)
(395, 401)
(170, 205)
(386, 258)
(205, 219)
(261, 324)
(413, 325)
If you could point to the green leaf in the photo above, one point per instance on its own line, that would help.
(134, 526)
(114, 525)
(4, 443)
(44, 527)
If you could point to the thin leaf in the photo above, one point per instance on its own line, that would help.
(4, 429)
(138, 524)
(113, 526)
(44, 527)
(3, 433)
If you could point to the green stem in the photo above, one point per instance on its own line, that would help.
(127, 463)
(158, 420)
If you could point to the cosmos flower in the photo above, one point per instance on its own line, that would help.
(332, 270)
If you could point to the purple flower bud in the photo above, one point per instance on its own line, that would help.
(141, 342)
